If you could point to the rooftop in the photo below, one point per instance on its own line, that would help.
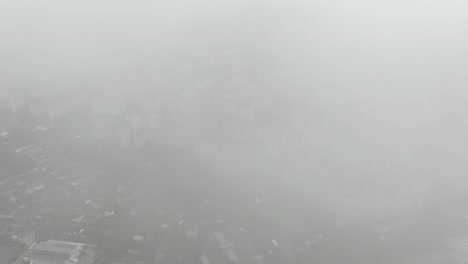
(57, 246)
(60, 252)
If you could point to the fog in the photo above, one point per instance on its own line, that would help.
(353, 107)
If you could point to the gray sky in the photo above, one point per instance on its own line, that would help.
(364, 39)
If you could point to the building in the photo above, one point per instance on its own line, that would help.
(60, 252)
(108, 113)
(10, 103)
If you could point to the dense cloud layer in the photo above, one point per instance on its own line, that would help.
(372, 91)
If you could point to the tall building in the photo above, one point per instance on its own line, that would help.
(108, 111)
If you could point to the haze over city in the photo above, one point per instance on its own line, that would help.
(294, 131)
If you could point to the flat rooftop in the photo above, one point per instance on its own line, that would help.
(55, 246)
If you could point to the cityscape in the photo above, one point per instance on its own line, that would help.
(233, 132)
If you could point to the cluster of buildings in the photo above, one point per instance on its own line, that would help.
(61, 200)
(132, 119)
(57, 210)
(107, 115)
